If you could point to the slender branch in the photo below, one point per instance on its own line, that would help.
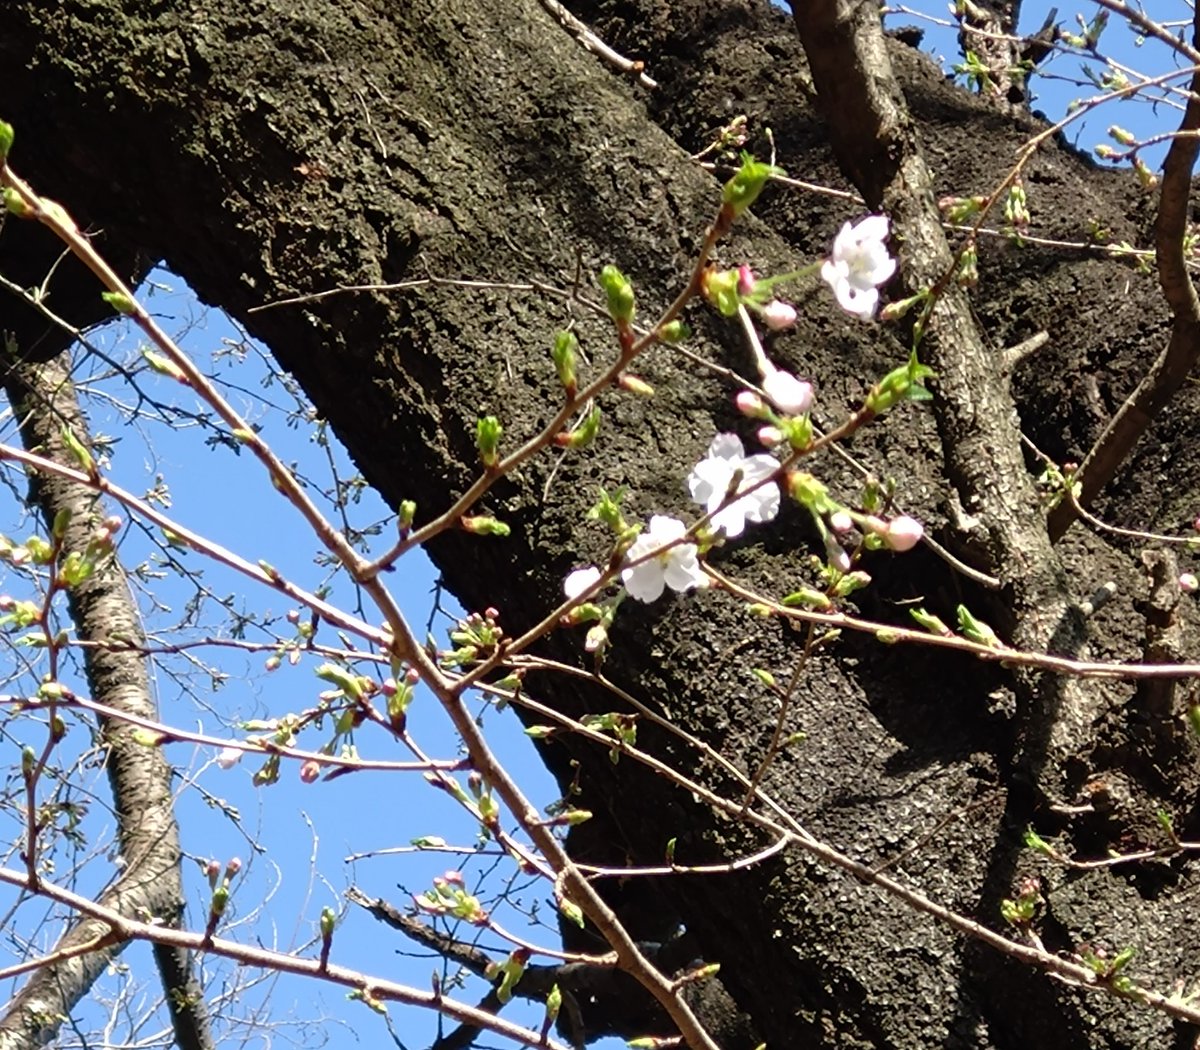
(382, 989)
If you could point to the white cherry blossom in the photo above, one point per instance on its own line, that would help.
(677, 567)
(859, 264)
(711, 478)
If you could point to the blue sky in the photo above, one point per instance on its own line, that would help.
(295, 838)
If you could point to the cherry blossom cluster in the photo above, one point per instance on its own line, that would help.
(736, 489)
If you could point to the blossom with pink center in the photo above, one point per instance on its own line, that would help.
(859, 264)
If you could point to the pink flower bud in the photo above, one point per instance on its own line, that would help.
(229, 757)
(750, 404)
(745, 280)
(233, 867)
(310, 771)
(840, 521)
(271, 663)
(112, 523)
(792, 396)
(1188, 583)
(412, 676)
(778, 315)
(903, 533)
(838, 558)
(293, 616)
(769, 436)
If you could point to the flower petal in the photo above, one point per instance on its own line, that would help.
(580, 580)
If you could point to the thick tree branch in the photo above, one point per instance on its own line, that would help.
(150, 883)
(1173, 366)
(878, 148)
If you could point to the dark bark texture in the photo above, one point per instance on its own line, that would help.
(266, 150)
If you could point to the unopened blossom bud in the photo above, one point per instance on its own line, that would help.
(792, 396)
(233, 867)
(840, 521)
(412, 676)
(903, 533)
(1196, 524)
(778, 315)
(1188, 583)
(112, 523)
(750, 404)
(634, 385)
(769, 436)
(596, 639)
(310, 771)
(836, 555)
(271, 663)
(229, 757)
(293, 616)
(746, 280)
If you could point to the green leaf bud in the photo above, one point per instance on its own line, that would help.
(16, 204)
(584, 434)
(487, 439)
(674, 332)
(720, 289)
(483, 525)
(120, 302)
(619, 292)
(328, 921)
(78, 450)
(164, 366)
(743, 189)
(563, 353)
(976, 630)
(901, 384)
(553, 1004)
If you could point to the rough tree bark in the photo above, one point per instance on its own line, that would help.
(301, 146)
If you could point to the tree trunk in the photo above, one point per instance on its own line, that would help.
(102, 609)
(302, 146)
